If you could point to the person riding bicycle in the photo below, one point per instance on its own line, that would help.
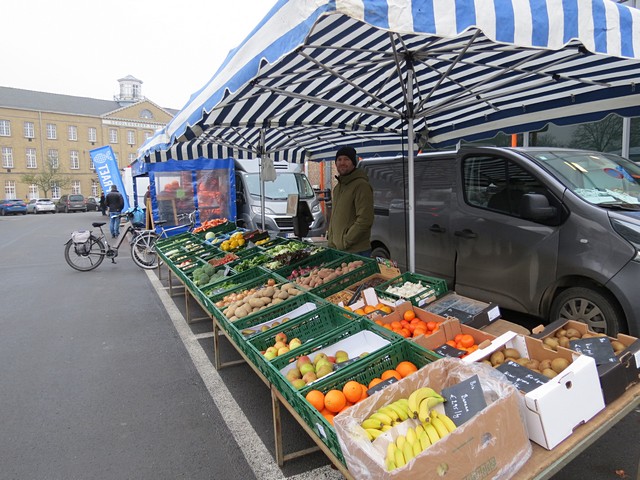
(115, 204)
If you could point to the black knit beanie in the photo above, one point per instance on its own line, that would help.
(349, 152)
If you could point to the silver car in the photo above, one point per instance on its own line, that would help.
(41, 205)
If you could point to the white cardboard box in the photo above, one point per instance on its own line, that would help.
(554, 409)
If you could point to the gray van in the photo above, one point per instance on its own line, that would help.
(288, 181)
(550, 232)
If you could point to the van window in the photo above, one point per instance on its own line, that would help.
(281, 187)
(498, 184)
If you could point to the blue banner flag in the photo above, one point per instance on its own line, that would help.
(106, 167)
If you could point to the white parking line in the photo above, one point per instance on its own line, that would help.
(259, 458)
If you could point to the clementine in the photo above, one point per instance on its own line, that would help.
(374, 382)
(390, 373)
(409, 315)
(334, 401)
(406, 368)
(352, 391)
(316, 398)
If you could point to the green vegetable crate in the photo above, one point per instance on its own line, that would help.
(363, 372)
(433, 288)
(368, 268)
(218, 229)
(307, 328)
(321, 258)
(246, 262)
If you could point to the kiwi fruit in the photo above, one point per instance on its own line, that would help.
(558, 364)
(547, 372)
(497, 358)
(511, 353)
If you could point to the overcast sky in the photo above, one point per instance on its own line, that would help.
(82, 47)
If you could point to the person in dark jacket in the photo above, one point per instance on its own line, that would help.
(115, 203)
(352, 206)
(103, 205)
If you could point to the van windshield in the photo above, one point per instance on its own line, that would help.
(281, 187)
(599, 178)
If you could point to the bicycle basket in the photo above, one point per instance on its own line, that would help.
(81, 242)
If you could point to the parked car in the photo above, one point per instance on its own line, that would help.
(13, 205)
(93, 204)
(71, 203)
(41, 205)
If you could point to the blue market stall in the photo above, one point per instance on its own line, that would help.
(181, 186)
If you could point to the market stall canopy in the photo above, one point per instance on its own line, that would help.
(313, 73)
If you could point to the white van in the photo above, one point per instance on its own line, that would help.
(289, 180)
(549, 232)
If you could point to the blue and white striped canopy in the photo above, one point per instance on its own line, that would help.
(319, 73)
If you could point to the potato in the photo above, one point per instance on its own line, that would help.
(256, 302)
(547, 372)
(551, 342)
(573, 333)
(617, 346)
(276, 300)
(511, 353)
(268, 292)
(559, 364)
(497, 358)
(545, 364)
(561, 333)
(242, 311)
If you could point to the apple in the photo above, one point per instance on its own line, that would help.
(323, 362)
(331, 359)
(279, 345)
(306, 368)
(294, 374)
(302, 360)
(324, 370)
(295, 343)
(264, 328)
(298, 384)
(281, 337)
(283, 350)
(309, 377)
(318, 357)
(270, 355)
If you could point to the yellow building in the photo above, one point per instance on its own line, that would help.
(50, 134)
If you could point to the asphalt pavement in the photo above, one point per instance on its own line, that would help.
(102, 378)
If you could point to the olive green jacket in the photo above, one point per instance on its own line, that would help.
(351, 213)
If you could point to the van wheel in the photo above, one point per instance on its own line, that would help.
(588, 306)
(380, 252)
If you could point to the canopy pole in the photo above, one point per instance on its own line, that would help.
(263, 149)
(626, 136)
(411, 173)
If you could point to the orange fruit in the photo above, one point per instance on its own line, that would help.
(379, 322)
(387, 326)
(406, 368)
(432, 325)
(386, 309)
(347, 308)
(390, 373)
(409, 315)
(451, 343)
(396, 325)
(369, 309)
(359, 311)
(334, 401)
(457, 338)
(364, 392)
(419, 331)
(316, 398)
(328, 416)
(404, 332)
(352, 391)
(374, 382)
(467, 340)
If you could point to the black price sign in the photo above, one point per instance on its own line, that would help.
(464, 400)
(346, 363)
(521, 377)
(449, 351)
(599, 348)
(383, 384)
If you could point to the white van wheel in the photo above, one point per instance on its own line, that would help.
(380, 252)
(590, 307)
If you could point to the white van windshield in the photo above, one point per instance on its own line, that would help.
(281, 187)
(599, 178)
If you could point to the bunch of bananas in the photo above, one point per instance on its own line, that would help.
(422, 400)
(418, 439)
(384, 418)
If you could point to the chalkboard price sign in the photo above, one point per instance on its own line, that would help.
(521, 377)
(599, 348)
(463, 400)
(449, 351)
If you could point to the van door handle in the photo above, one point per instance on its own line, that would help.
(466, 233)
(437, 228)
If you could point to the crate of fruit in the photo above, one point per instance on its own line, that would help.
(296, 332)
(397, 360)
(302, 267)
(418, 289)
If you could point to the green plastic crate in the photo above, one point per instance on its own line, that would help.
(308, 327)
(323, 257)
(343, 282)
(273, 241)
(434, 288)
(238, 280)
(222, 228)
(369, 368)
(238, 264)
(173, 242)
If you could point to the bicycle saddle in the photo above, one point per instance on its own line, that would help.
(98, 224)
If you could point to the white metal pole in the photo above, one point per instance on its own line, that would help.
(263, 149)
(411, 170)
(525, 139)
(626, 136)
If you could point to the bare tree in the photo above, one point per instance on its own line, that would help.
(48, 175)
(602, 136)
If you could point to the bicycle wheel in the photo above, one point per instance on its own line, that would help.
(82, 261)
(143, 252)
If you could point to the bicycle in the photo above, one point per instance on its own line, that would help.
(87, 255)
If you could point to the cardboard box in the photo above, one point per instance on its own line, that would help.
(492, 444)
(554, 409)
(469, 311)
(615, 378)
(500, 326)
(448, 331)
(398, 314)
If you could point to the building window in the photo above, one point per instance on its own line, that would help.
(113, 135)
(33, 191)
(5, 128)
(146, 114)
(31, 158)
(132, 158)
(7, 157)
(55, 190)
(73, 133)
(52, 131)
(92, 135)
(131, 137)
(75, 187)
(94, 188)
(29, 131)
(147, 135)
(75, 160)
(9, 189)
(53, 158)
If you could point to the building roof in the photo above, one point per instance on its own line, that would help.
(54, 102)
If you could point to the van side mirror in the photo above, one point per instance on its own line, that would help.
(535, 206)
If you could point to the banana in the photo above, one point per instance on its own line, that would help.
(390, 463)
(407, 451)
(401, 413)
(400, 441)
(424, 440)
(372, 423)
(411, 435)
(439, 426)
(433, 401)
(419, 428)
(385, 419)
(417, 447)
(447, 421)
(431, 432)
(386, 427)
(391, 449)
(374, 433)
(417, 396)
(387, 410)
(398, 456)
(423, 411)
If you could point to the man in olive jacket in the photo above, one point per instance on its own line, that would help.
(352, 206)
